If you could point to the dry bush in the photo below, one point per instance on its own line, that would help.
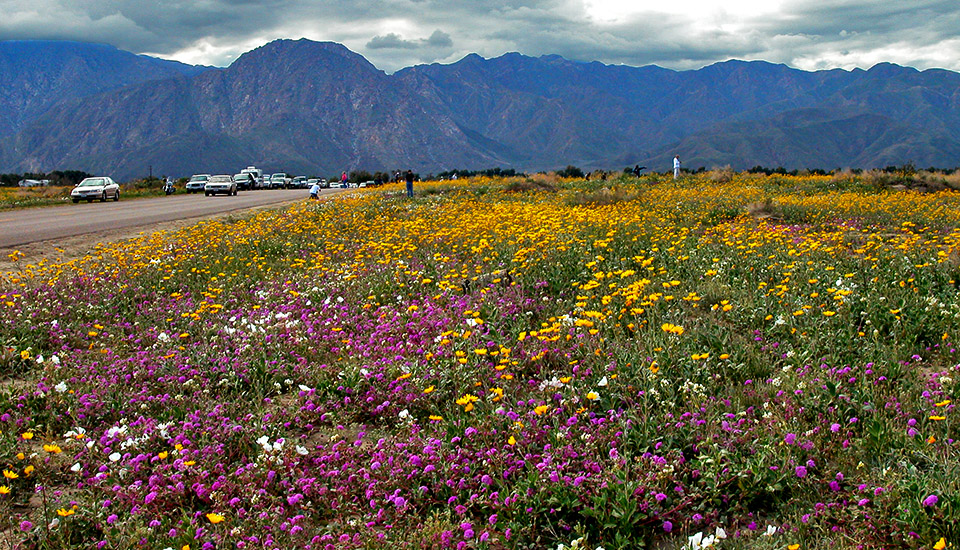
(879, 179)
(601, 197)
(844, 176)
(534, 184)
(40, 192)
(53, 192)
(550, 178)
(929, 182)
(952, 180)
(922, 181)
(721, 175)
(767, 209)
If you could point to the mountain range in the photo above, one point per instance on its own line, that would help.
(318, 108)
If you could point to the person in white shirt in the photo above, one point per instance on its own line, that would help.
(315, 191)
(676, 166)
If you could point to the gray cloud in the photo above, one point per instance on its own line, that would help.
(437, 46)
(809, 34)
(438, 39)
(389, 41)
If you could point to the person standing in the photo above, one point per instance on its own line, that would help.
(676, 166)
(343, 179)
(409, 177)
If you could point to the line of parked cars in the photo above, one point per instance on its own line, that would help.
(248, 178)
(103, 187)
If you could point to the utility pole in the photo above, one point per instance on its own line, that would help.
(150, 169)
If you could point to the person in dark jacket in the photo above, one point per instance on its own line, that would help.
(409, 177)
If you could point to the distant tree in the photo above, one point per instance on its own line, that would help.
(488, 172)
(570, 172)
(9, 180)
(357, 176)
(68, 177)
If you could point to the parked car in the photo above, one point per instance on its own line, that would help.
(257, 175)
(220, 184)
(245, 181)
(197, 183)
(101, 188)
(278, 181)
(299, 182)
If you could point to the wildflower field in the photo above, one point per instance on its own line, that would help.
(755, 362)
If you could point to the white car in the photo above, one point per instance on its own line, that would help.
(197, 183)
(101, 188)
(278, 181)
(220, 184)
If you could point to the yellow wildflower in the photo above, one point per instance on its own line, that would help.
(214, 518)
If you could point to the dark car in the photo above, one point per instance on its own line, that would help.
(244, 181)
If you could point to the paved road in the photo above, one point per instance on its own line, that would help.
(18, 227)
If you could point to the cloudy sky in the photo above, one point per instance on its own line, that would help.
(392, 34)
